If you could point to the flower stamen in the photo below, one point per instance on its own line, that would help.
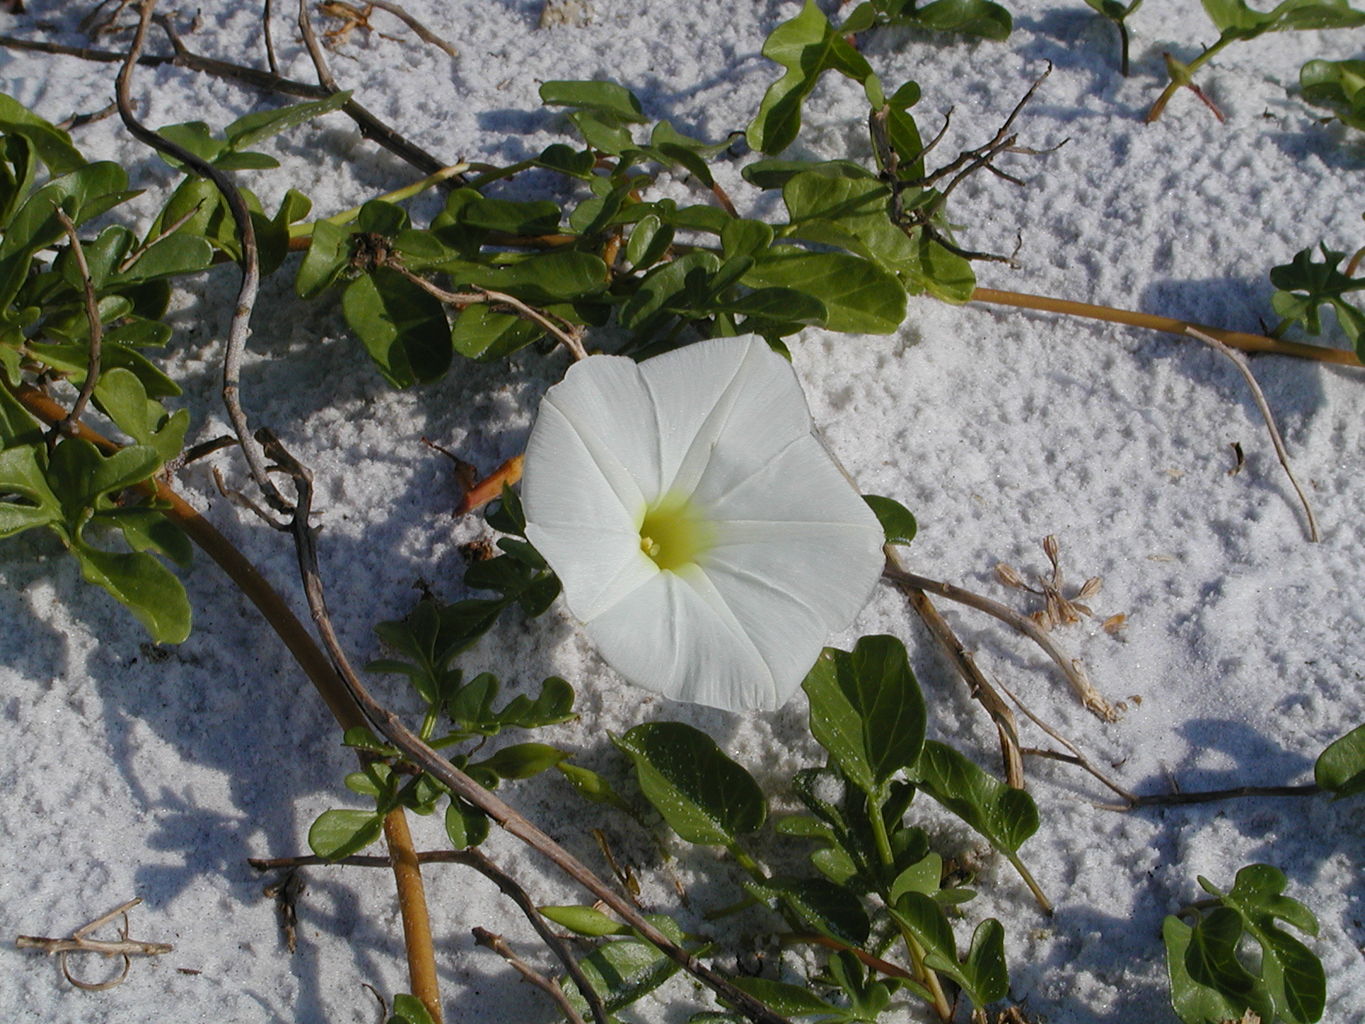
(673, 533)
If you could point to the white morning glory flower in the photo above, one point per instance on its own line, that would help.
(705, 538)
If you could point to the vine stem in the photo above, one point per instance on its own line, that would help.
(421, 953)
(1170, 325)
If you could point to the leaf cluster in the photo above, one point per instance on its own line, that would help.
(488, 274)
(1213, 975)
(877, 881)
(1304, 285)
(457, 711)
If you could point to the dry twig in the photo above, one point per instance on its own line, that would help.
(80, 942)
(1240, 362)
(1072, 669)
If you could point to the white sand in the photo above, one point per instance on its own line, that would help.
(130, 771)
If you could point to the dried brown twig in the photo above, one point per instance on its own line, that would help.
(1072, 669)
(92, 316)
(1259, 396)
(80, 942)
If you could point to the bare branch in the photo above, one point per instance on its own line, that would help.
(240, 328)
(92, 316)
(488, 940)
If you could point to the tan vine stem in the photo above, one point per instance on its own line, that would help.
(299, 642)
(1170, 325)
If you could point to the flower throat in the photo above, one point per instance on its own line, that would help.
(673, 534)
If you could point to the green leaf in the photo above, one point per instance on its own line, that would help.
(540, 217)
(584, 921)
(971, 17)
(172, 256)
(1340, 768)
(982, 973)
(859, 297)
(816, 904)
(327, 257)
(522, 760)
(789, 1000)
(1238, 20)
(465, 824)
(340, 833)
(897, 521)
(648, 242)
(622, 971)
(704, 796)
(867, 711)
(672, 288)
(256, 127)
(592, 787)
(1338, 85)
(402, 327)
(1292, 976)
(1004, 815)
(53, 146)
(540, 280)
(481, 333)
(146, 587)
(553, 705)
(124, 400)
(22, 477)
(1304, 285)
(409, 1010)
(614, 103)
(1193, 1002)
(806, 46)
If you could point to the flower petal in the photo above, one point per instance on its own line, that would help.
(608, 405)
(576, 519)
(732, 399)
(675, 636)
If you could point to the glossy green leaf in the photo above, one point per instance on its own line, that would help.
(1293, 977)
(1239, 19)
(522, 760)
(592, 787)
(540, 217)
(465, 824)
(22, 478)
(982, 973)
(260, 125)
(816, 904)
(704, 796)
(648, 242)
(613, 102)
(327, 257)
(481, 333)
(541, 279)
(340, 833)
(867, 711)
(970, 17)
(672, 288)
(141, 583)
(806, 46)
(897, 521)
(551, 706)
(859, 296)
(402, 327)
(409, 1010)
(1194, 1002)
(622, 971)
(1004, 815)
(1340, 768)
(1305, 284)
(52, 145)
(790, 1000)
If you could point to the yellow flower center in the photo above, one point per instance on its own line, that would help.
(673, 533)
